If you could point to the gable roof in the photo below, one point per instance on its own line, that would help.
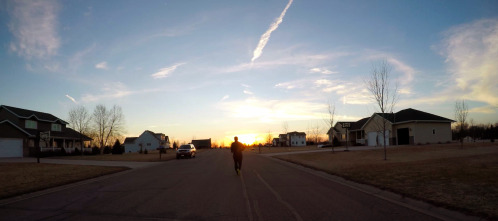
(359, 124)
(152, 133)
(130, 140)
(26, 114)
(17, 127)
(416, 115)
(295, 133)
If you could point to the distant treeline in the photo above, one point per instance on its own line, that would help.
(477, 132)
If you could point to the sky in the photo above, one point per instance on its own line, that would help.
(216, 69)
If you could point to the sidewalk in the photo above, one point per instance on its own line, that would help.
(129, 164)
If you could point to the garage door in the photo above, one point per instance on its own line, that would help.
(10, 147)
(372, 139)
(375, 138)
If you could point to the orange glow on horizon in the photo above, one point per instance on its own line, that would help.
(248, 139)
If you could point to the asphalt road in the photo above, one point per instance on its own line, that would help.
(207, 188)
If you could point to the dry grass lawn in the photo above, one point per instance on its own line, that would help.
(283, 149)
(152, 156)
(447, 175)
(20, 178)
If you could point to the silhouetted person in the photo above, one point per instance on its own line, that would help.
(237, 148)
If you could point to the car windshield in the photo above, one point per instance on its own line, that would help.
(185, 147)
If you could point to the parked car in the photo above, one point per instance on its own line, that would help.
(186, 150)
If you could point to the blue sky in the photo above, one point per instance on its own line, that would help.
(215, 69)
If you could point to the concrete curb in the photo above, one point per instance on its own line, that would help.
(417, 205)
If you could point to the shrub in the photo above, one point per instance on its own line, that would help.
(117, 148)
(145, 151)
(95, 150)
(76, 152)
(107, 150)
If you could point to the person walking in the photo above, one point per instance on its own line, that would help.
(237, 148)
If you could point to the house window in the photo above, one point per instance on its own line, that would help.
(56, 127)
(302, 142)
(31, 124)
(148, 144)
(433, 131)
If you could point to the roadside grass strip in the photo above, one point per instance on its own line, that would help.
(21, 178)
(463, 179)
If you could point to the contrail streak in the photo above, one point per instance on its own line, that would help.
(266, 36)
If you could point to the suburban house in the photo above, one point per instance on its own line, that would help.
(199, 144)
(282, 140)
(408, 126)
(25, 132)
(148, 140)
(274, 142)
(292, 139)
(296, 139)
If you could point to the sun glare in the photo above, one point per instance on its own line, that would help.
(247, 139)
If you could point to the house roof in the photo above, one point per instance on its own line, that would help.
(359, 124)
(26, 114)
(297, 133)
(67, 133)
(403, 116)
(130, 140)
(416, 115)
(17, 127)
(153, 134)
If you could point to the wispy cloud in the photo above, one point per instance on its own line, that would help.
(266, 36)
(322, 71)
(471, 52)
(34, 26)
(71, 98)
(114, 90)
(484, 110)
(303, 59)
(165, 72)
(225, 97)
(246, 89)
(102, 65)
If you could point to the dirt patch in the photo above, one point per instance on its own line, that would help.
(446, 175)
(21, 178)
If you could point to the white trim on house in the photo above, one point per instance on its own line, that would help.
(7, 121)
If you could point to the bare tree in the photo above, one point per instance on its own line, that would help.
(461, 113)
(79, 119)
(315, 133)
(385, 97)
(329, 121)
(108, 123)
(285, 127)
(269, 138)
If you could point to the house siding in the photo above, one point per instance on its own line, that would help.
(146, 141)
(375, 125)
(423, 133)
